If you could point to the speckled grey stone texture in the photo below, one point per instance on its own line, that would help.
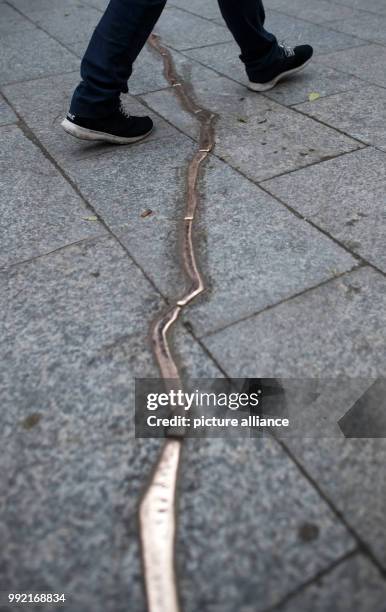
(68, 23)
(45, 56)
(345, 197)
(183, 30)
(360, 114)
(204, 8)
(365, 62)
(75, 330)
(241, 277)
(6, 113)
(40, 212)
(11, 20)
(351, 473)
(239, 546)
(336, 329)
(254, 135)
(353, 586)
(370, 27)
(317, 11)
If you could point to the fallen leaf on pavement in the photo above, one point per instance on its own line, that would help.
(313, 96)
(92, 218)
(146, 213)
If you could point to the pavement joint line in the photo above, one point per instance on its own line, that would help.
(362, 544)
(30, 135)
(326, 25)
(302, 587)
(185, 10)
(286, 106)
(350, 6)
(359, 258)
(340, 131)
(315, 163)
(280, 302)
(39, 78)
(41, 147)
(258, 183)
(282, 202)
(22, 262)
(39, 27)
(190, 330)
(319, 53)
(311, 165)
(360, 78)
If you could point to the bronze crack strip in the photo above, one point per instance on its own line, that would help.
(157, 511)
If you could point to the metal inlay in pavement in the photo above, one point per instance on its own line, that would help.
(158, 507)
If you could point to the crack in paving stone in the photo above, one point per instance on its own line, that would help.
(157, 512)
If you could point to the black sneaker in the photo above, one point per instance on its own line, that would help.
(118, 128)
(292, 60)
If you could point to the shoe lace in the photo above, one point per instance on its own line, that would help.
(123, 111)
(288, 51)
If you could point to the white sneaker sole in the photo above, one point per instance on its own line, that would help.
(270, 84)
(86, 134)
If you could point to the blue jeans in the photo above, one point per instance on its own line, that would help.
(123, 31)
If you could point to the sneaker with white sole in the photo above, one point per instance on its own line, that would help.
(117, 128)
(291, 60)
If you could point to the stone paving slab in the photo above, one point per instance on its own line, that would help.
(44, 103)
(30, 7)
(336, 329)
(99, 4)
(11, 20)
(369, 27)
(68, 23)
(255, 135)
(72, 471)
(45, 56)
(70, 523)
(98, 306)
(183, 30)
(365, 62)
(239, 546)
(354, 585)
(323, 80)
(274, 255)
(351, 474)
(40, 212)
(152, 240)
(278, 253)
(345, 197)
(6, 113)
(361, 113)
(204, 8)
(317, 11)
(297, 31)
(373, 6)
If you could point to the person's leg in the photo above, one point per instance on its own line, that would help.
(266, 61)
(107, 63)
(245, 19)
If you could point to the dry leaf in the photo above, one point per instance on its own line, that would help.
(313, 96)
(146, 213)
